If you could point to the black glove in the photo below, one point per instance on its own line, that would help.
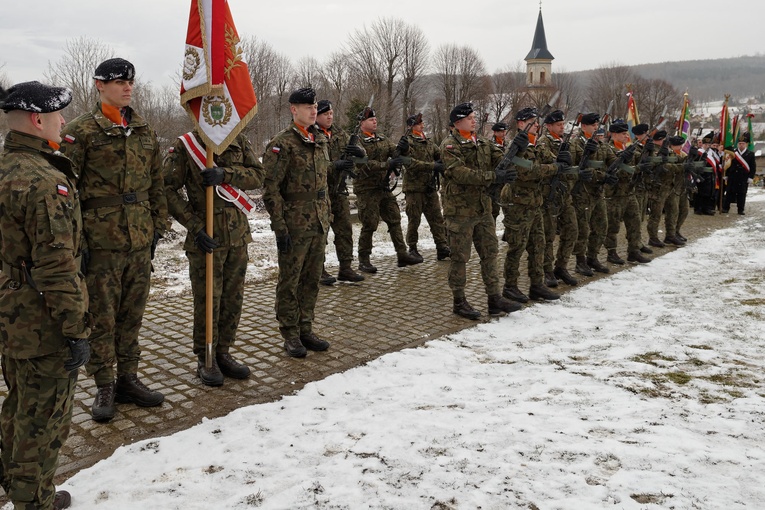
(663, 151)
(403, 146)
(644, 167)
(629, 152)
(649, 146)
(693, 152)
(564, 157)
(283, 243)
(213, 176)
(204, 242)
(521, 140)
(585, 174)
(157, 237)
(394, 163)
(84, 261)
(611, 179)
(507, 176)
(80, 348)
(355, 151)
(343, 164)
(591, 147)
(439, 167)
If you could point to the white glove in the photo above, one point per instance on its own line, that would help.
(725, 178)
(749, 181)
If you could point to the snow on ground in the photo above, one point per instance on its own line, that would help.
(641, 390)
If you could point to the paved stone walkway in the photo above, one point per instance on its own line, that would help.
(394, 309)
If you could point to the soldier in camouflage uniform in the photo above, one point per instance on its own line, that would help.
(559, 216)
(420, 188)
(237, 166)
(116, 155)
(588, 196)
(620, 198)
(676, 205)
(659, 187)
(469, 169)
(524, 226)
(373, 198)
(295, 193)
(341, 154)
(499, 130)
(44, 322)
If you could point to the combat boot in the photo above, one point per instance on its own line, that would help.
(498, 305)
(210, 376)
(131, 390)
(443, 252)
(365, 266)
(562, 274)
(538, 292)
(673, 240)
(463, 309)
(407, 259)
(646, 249)
(415, 254)
(62, 500)
(638, 257)
(231, 367)
(550, 280)
(681, 237)
(595, 264)
(656, 242)
(295, 348)
(103, 408)
(614, 258)
(581, 266)
(312, 342)
(326, 278)
(514, 293)
(347, 274)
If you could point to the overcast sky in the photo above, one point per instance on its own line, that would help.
(581, 34)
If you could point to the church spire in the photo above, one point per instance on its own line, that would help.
(539, 49)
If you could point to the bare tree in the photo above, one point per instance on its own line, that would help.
(652, 97)
(415, 63)
(461, 77)
(75, 70)
(4, 83)
(335, 79)
(308, 74)
(507, 90)
(608, 83)
(571, 92)
(162, 110)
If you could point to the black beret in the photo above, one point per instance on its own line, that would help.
(499, 126)
(323, 106)
(114, 69)
(460, 111)
(660, 135)
(639, 129)
(600, 131)
(366, 113)
(303, 96)
(744, 137)
(618, 126)
(708, 137)
(589, 119)
(555, 116)
(676, 140)
(33, 96)
(413, 120)
(526, 113)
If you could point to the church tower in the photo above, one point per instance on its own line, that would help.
(539, 60)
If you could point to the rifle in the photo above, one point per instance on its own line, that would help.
(340, 186)
(509, 158)
(557, 186)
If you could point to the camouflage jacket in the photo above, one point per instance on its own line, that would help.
(527, 189)
(371, 175)
(624, 185)
(295, 187)
(230, 225)
(338, 139)
(599, 162)
(418, 177)
(678, 172)
(40, 230)
(552, 144)
(469, 171)
(113, 161)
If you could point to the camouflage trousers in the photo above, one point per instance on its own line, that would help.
(565, 223)
(428, 204)
(480, 231)
(657, 199)
(684, 207)
(374, 206)
(118, 286)
(34, 424)
(641, 196)
(592, 222)
(524, 231)
(625, 209)
(675, 212)
(229, 270)
(341, 228)
(298, 285)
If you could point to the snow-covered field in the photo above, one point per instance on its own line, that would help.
(641, 390)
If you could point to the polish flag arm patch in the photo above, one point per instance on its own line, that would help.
(276, 150)
(62, 190)
(69, 138)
